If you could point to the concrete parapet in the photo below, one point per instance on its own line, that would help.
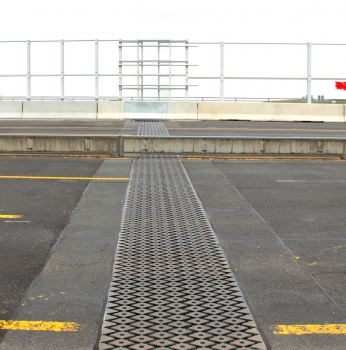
(133, 145)
(182, 110)
(228, 145)
(271, 111)
(59, 110)
(111, 110)
(78, 144)
(11, 109)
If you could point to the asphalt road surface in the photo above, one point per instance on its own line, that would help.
(181, 128)
(281, 225)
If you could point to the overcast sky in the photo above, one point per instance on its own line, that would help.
(217, 20)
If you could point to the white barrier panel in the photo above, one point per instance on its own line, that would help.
(182, 110)
(271, 111)
(111, 110)
(146, 110)
(59, 110)
(11, 110)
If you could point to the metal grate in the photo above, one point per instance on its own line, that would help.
(152, 129)
(172, 287)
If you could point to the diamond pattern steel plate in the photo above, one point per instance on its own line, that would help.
(172, 287)
(152, 129)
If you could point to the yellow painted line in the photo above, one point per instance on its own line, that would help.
(40, 326)
(11, 216)
(60, 134)
(300, 329)
(63, 178)
(63, 127)
(267, 158)
(249, 129)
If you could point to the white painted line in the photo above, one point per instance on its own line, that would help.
(17, 221)
(310, 181)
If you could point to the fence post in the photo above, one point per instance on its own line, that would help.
(120, 70)
(222, 71)
(309, 74)
(96, 69)
(28, 71)
(186, 71)
(62, 78)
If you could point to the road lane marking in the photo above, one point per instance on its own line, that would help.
(250, 129)
(59, 134)
(40, 326)
(11, 216)
(64, 178)
(293, 181)
(310, 329)
(334, 159)
(17, 221)
(63, 127)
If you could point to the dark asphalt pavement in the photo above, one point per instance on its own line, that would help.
(177, 128)
(281, 225)
(46, 207)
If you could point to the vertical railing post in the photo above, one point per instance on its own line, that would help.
(170, 70)
(309, 74)
(222, 52)
(62, 76)
(28, 71)
(142, 69)
(186, 70)
(96, 69)
(137, 70)
(120, 59)
(158, 72)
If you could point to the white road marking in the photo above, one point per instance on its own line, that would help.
(309, 181)
(17, 221)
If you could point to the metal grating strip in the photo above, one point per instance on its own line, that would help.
(172, 287)
(152, 129)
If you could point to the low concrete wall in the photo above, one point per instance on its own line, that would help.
(271, 111)
(79, 144)
(182, 110)
(111, 110)
(227, 145)
(11, 109)
(59, 110)
(132, 145)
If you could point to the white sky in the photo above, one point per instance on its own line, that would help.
(217, 20)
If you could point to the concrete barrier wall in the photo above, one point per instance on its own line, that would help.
(116, 110)
(133, 145)
(210, 145)
(182, 110)
(111, 110)
(59, 110)
(79, 144)
(11, 109)
(271, 111)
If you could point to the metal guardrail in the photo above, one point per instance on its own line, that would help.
(140, 63)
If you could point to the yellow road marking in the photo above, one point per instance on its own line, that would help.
(336, 159)
(249, 129)
(62, 155)
(11, 216)
(63, 127)
(310, 329)
(60, 134)
(63, 178)
(40, 326)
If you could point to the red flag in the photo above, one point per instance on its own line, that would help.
(339, 85)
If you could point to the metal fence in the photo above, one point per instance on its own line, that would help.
(161, 69)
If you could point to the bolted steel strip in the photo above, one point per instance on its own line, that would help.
(172, 287)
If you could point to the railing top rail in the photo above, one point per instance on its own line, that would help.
(169, 41)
